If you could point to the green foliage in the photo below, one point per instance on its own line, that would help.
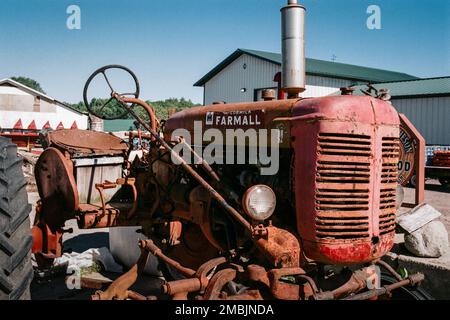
(161, 107)
(33, 84)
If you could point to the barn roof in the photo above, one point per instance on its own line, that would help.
(36, 93)
(415, 88)
(315, 67)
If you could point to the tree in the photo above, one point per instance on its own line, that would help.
(161, 107)
(33, 84)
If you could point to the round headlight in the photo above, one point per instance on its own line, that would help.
(259, 202)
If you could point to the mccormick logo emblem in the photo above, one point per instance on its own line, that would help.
(233, 119)
(209, 118)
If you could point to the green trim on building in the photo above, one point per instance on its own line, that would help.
(315, 67)
(414, 88)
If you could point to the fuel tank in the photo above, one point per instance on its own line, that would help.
(254, 115)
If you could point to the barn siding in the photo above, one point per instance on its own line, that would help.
(227, 84)
(430, 116)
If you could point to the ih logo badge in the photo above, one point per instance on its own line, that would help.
(209, 118)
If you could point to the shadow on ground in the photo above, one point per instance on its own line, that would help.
(54, 287)
(85, 242)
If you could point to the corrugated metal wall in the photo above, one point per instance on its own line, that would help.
(226, 85)
(431, 116)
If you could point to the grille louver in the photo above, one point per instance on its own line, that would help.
(343, 180)
(389, 176)
(343, 177)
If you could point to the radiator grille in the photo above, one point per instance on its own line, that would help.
(389, 176)
(344, 144)
(343, 178)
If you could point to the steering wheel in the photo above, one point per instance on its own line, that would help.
(105, 110)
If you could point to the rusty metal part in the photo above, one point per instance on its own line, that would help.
(91, 216)
(217, 282)
(180, 288)
(57, 188)
(391, 270)
(283, 290)
(280, 247)
(135, 296)
(310, 282)
(257, 273)
(197, 283)
(118, 289)
(131, 182)
(356, 283)
(86, 142)
(100, 187)
(175, 232)
(194, 248)
(206, 268)
(157, 252)
(199, 204)
(259, 231)
(47, 244)
(419, 158)
(361, 279)
(412, 280)
(148, 108)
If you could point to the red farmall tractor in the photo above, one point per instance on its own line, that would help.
(317, 228)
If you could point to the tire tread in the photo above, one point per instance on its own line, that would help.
(16, 271)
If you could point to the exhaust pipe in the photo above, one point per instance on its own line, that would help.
(293, 49)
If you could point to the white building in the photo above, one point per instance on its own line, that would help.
(245, 73)
(426, 103)
(24, 108)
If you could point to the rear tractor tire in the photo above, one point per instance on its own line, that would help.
(16, 271)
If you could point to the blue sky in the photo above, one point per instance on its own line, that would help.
(171, 44)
